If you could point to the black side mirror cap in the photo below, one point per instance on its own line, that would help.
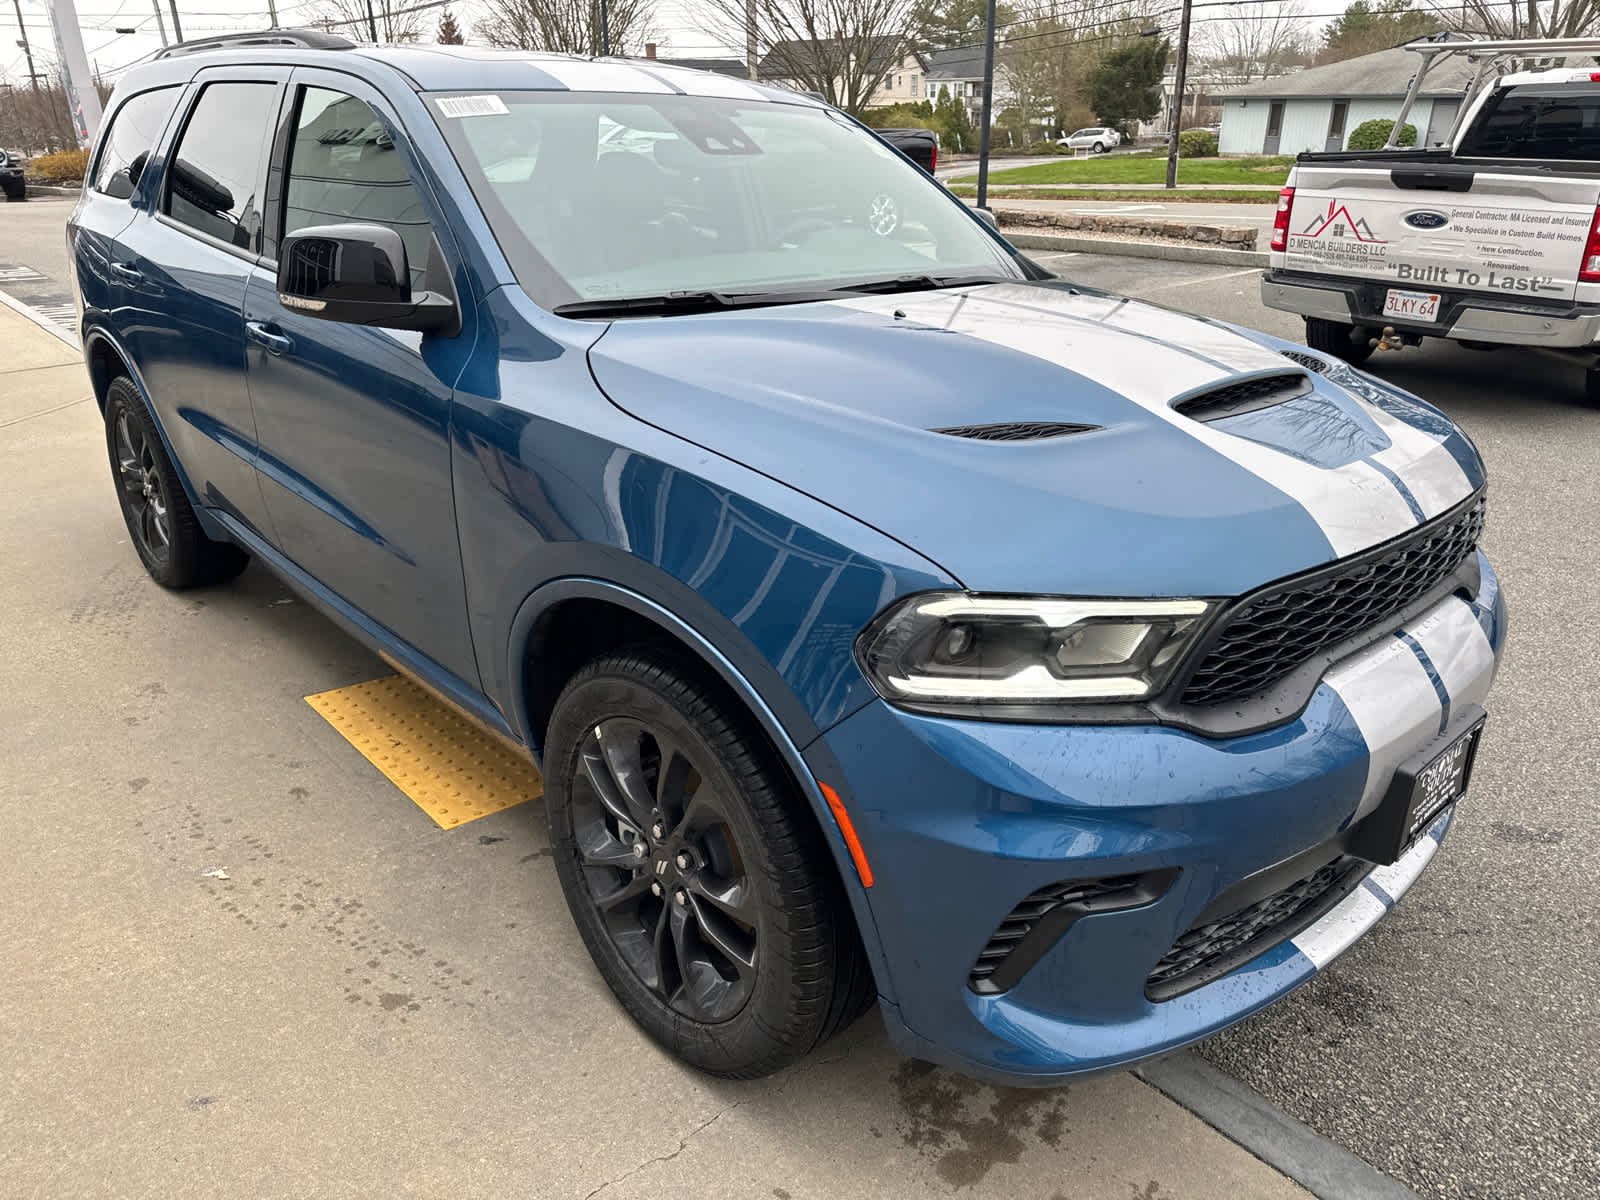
(360, 275)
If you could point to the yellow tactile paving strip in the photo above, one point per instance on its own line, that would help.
(454, 771)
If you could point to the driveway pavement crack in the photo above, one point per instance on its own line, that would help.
(683, 1144)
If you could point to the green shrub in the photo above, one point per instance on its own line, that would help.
(1374, 135)
(68, 166)
(1043, 147)
(1197, 143)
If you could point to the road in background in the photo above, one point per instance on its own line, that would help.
(33, 257)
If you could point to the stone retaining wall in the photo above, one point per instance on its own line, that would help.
(1133, 226)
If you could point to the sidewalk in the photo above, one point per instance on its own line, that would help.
(168, 1034)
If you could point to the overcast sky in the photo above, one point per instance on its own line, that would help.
(109, 50)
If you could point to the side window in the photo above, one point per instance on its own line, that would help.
(343, 167)
(212, 178)
(126, 145)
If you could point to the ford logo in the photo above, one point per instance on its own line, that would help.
(1426, 219)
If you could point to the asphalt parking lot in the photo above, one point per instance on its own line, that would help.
(369, 1004)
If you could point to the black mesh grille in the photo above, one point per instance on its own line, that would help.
(1015, 431)
(1309, 361)
(1207, 952)
(1270, 634)
(1262, 391)
(1022, 918)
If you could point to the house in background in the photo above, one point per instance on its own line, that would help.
(1318, 108)
(904, 79)
(961, 73)
(734, 68)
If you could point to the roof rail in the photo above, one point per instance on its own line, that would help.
(308, 39)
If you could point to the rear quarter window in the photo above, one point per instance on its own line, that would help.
(128, 140)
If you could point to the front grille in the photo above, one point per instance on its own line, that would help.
(1208, 952)
(1021, 920)
(1268, 635)
(1015, 431)
(1248, 395)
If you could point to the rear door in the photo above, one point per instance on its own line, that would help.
(354, 421)
(182, 272)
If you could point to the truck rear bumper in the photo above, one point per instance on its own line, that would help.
(1465, 319)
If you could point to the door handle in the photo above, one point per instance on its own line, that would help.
(262, 334)
(126, 273)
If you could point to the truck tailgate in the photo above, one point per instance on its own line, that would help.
(1512, 234)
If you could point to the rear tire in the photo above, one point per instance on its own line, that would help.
(657, 781)
(1099, 147)
(1349, 342)
(1591, 386)
(162, 524)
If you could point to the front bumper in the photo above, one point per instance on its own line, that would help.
(963, 819)
(1465, 317)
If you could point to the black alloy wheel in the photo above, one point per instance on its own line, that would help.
(665, 868)
(699, 880)
(165, 531)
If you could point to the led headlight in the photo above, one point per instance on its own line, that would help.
(961, 649)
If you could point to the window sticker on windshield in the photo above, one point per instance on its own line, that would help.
(472, 106)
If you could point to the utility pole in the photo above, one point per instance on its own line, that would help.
(177, 29)
(1179, 83)
(83, 100)
(988, 104)
(750, 69)
(605, 29)
(27, 50)
(161, 23)
(372, 23)
(272, 12)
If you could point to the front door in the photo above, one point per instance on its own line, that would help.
(1336, 119)
(1274, 128)
(353, 421)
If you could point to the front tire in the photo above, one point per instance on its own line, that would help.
(1099, 147)
(165, 531)
(699, 883)
(1350, 342)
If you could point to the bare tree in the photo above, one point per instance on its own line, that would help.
(1246, 42)
(391, 18)
(566, 26)
(840, 49)
(1521, 18)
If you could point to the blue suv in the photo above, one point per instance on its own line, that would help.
(892, 621)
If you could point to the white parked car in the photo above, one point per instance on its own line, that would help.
(1096, 139)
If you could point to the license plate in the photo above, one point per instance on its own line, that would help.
(1413, 306)
(1423, 787)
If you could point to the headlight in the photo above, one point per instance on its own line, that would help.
(960, 649)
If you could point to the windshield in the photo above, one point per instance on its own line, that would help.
(600, 197)
(1551, 120)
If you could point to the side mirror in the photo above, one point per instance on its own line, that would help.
(359, 274)
(988, 218)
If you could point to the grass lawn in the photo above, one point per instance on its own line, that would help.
(1149, 168)
(998, 199)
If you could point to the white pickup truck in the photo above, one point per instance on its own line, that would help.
(1490, 239)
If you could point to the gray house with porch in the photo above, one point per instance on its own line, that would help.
(1318, 108)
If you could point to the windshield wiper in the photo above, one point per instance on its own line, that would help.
(675, 303)
(922, 283)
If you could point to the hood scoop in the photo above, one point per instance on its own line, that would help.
(1310, 362)
(1015, 431)
(1243, 396)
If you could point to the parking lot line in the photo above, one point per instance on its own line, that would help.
(452, 770)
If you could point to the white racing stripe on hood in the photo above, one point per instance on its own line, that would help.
(1151, 356)
(1393, 703)
(1420, 461)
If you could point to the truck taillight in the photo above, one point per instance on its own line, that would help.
(1280, 220)
(1589, 268)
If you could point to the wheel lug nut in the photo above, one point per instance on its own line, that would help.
(683, 862)
(682, 897)
(655, 889)
(638, 849)
(658, 831)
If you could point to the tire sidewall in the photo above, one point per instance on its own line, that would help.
(123, 397)
(602, 692)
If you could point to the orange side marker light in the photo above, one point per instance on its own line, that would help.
(846, 827)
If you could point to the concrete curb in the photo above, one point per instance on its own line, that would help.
(48, 189)
(1324, 1169)
(1171, 251)
(41, 321)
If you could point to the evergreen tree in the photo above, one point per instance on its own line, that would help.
(449, 33)
(1126, 86)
